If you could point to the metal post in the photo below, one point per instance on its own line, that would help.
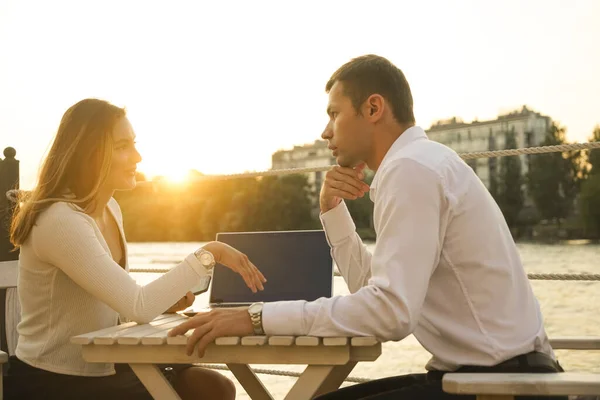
(9, 179)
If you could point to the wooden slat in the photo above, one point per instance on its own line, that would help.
(135, 333)
(179, 340)
(254, 340)
(228, 341)
(307, 341)
(363, 341)
(156, 337)
(575, 343)
(564, 383)
(87, 338)
(281, 340)
(335, 341)
(319, 355)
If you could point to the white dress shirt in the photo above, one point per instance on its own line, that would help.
(445, 267)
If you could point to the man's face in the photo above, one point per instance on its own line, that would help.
(347, 131)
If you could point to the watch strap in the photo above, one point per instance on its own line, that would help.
(256, 319)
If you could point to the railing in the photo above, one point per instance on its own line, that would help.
(541, 277)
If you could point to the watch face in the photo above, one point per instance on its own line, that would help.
(254, 308)
(206, 259)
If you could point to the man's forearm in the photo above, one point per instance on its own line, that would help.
(350, 254)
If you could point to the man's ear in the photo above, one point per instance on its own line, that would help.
(375, 104)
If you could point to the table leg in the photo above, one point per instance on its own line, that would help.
(156, 383)
(319, 379)
(250, 382)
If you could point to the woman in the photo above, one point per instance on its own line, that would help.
(73, 272)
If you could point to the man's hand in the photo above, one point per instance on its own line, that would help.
(185, 302)
(213, 324)
(342, 183)
(237, 262)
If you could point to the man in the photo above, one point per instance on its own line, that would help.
(445, 267)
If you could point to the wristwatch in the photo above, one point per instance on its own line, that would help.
(255, 311)
(206, 258)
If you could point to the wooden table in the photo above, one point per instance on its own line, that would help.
(329, 360)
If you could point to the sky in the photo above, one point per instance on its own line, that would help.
(219, 86)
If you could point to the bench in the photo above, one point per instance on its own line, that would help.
(10, 307)
(10, 312)
(575, 343)
(502, 386)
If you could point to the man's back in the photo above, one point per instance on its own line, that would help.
(479, 307)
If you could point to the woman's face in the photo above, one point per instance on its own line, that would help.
(124, 159)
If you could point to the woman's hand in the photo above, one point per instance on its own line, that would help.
(185, 302)
(237, 262)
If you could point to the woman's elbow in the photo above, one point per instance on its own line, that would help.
(140, 317)
(142, 311)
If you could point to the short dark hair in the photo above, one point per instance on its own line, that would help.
(369, 74)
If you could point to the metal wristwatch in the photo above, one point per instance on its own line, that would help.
(206, 258)
(255, 311)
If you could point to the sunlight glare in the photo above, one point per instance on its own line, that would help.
(177, 176)
(171, 172)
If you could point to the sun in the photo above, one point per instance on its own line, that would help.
(179, 176)
(172, 173)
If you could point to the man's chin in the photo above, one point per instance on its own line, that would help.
(347, 163)
(343, 162)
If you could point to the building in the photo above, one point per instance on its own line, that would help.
(529, 127)
(309, 155)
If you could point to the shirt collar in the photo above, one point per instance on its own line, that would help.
(408, 136)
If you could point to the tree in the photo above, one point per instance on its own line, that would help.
(590, 191)
(510, 195)
(286, 203)
(594, 155)
(553, 178)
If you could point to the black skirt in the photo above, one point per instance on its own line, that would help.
(24, 382)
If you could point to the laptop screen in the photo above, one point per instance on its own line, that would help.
(297, 265)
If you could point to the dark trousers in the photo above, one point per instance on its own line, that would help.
(429, 386)
(25, 382)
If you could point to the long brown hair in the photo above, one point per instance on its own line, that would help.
(78, 164)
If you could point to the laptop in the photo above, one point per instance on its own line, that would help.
(297, 265)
